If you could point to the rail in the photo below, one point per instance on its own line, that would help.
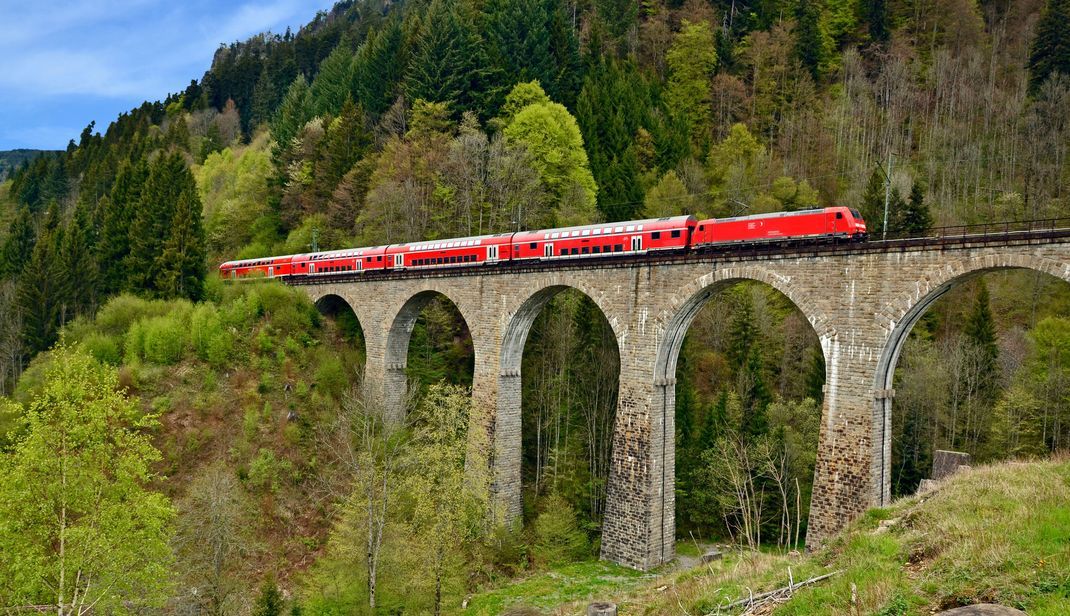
(939, 238)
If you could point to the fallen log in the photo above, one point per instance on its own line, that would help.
(764, 597)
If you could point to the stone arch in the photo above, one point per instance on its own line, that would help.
(898, 317)
(396, 351)
(508, 416)
(677, 317)
(672, 326)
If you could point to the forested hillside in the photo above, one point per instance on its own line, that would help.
(383, 122)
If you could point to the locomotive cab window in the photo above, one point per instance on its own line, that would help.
(839, 215)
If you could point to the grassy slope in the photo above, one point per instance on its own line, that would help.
(260, 413)
(997, 534)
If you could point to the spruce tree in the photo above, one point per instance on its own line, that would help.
(448, 62)
(980, 330)
(915, 220)
(810, 40)
(331, 87)
(1050, 52)
(294, 111)
(180, 267)
(348, 139)
(518, 44)
(755, 396)
(78, 267)
(378, 68)
(875, 16)
(116, 214)
(39, 294)
(169, 181)
(18, 245)
(872, 207)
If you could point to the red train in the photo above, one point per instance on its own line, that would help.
(599, 241)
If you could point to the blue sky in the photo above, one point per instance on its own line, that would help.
(66, 63)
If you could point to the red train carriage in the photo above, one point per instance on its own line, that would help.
(830, 222)
(462, 251)
(670, 233)
(347, 260)
(265, 266)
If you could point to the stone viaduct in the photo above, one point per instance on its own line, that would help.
(862, 300)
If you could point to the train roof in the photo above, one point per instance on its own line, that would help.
(256, 261)
(647, 223)
(341, 252)
(454, 242)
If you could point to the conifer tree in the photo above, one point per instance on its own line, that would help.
(1050, 52)
(980, 330)
(78, 267)
(39, 292)
(755, 396)
(294, 111)
(330, 88)
(116, 213)
(692, 60)
(875, 16)
(347, 141)
(18, 245)
(872, 207)
(168, 183)
(448, 64)
(180, 267)
(915, 220)
(810, 40)
(518, 43)
(378, 68)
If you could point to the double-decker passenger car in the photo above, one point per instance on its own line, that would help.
(265, 266)
(483, 249)
(804, 225)
(656, 234)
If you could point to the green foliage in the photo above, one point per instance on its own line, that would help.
(160, 340)
(1050, 53)
(79, 525)
(669, 197)
(554, 141)
(692, 60)
(331, 377)
(267, 472)
(269, 602)
(103, 348)
(557, 537)
(233, 185)
(733, 167)
(448, 62)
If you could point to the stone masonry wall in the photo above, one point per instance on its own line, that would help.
(861, 304)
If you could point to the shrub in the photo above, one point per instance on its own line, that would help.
(557, 536)
(103, 348)
(331, 376)
(164, 340)
(266, 471)
(121, 312)
(212, 342)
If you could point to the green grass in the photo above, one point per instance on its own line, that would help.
(998, 534)
(584, 581)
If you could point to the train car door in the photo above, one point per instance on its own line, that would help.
(399, 260)
(271, 271)
(548, 249)
(311, 268)
(492, 253)
(637, 243)
(360, 264)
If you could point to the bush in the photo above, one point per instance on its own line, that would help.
(163, 340)
(557, 536)
(266, 471)
(121, 312)
(212, 342)
(331, 376)
(103, 348)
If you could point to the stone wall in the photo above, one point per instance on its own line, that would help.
(861, 302)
